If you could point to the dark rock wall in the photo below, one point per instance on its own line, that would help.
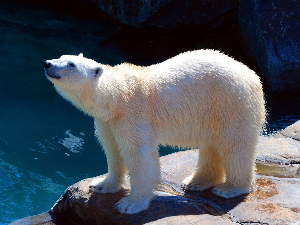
(269, 30)
(271, 33)
(85, 9)
(166, 13)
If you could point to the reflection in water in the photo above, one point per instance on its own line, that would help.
(73, 143)
(62, 175)
(42, 148)
(3, 141)
(44, 183)
(292, 171)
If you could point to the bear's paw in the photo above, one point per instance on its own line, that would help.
(126, 205)
(229, 191)
(193, 183)
(104, 185)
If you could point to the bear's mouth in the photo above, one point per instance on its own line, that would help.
(52, 75)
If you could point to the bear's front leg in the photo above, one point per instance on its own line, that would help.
(116, 165)
(144, 174)
(139, 148)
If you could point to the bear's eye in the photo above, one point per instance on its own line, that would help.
(98, 71)
(72, 64)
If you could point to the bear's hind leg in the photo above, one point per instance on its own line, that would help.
(239, 168)
(209, 171)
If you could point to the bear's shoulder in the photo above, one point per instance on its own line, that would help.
(131, 70)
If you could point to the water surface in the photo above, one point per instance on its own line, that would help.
(45, 143)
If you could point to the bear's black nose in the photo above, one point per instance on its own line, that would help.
(47, 65)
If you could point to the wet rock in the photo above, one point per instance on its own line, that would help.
(167, 13)
(43, 218)
(270, 30)
(281, 148)
(80, 206)
(274, 202)
(292, 131)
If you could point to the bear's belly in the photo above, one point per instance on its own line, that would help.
(181, 133)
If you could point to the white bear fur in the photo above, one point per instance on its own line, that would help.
(199, 99)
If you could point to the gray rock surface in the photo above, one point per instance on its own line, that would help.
(167, 13)
(43, 218)
(276, 199)
(271, 32)
(292, 131)
(279, 150)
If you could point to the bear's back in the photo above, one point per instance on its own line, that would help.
(203, 64)
(203, 88)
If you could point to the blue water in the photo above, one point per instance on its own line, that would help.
(45, 143)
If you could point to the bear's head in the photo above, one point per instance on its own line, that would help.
(69, 71)
(77, 79)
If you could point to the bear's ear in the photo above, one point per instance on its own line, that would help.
(98, 71)
(80, 55)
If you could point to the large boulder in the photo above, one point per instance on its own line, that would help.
(271, 32)
(166, 13)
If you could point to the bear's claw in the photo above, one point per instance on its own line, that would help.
(195, 184)
(101, 185)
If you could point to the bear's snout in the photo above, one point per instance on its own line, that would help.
(47, 65)
(50, 73)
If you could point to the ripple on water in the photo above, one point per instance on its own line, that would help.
(19, 190)
(73, 143)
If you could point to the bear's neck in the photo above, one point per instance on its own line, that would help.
(98, 99)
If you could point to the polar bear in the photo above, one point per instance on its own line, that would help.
(198, 99)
